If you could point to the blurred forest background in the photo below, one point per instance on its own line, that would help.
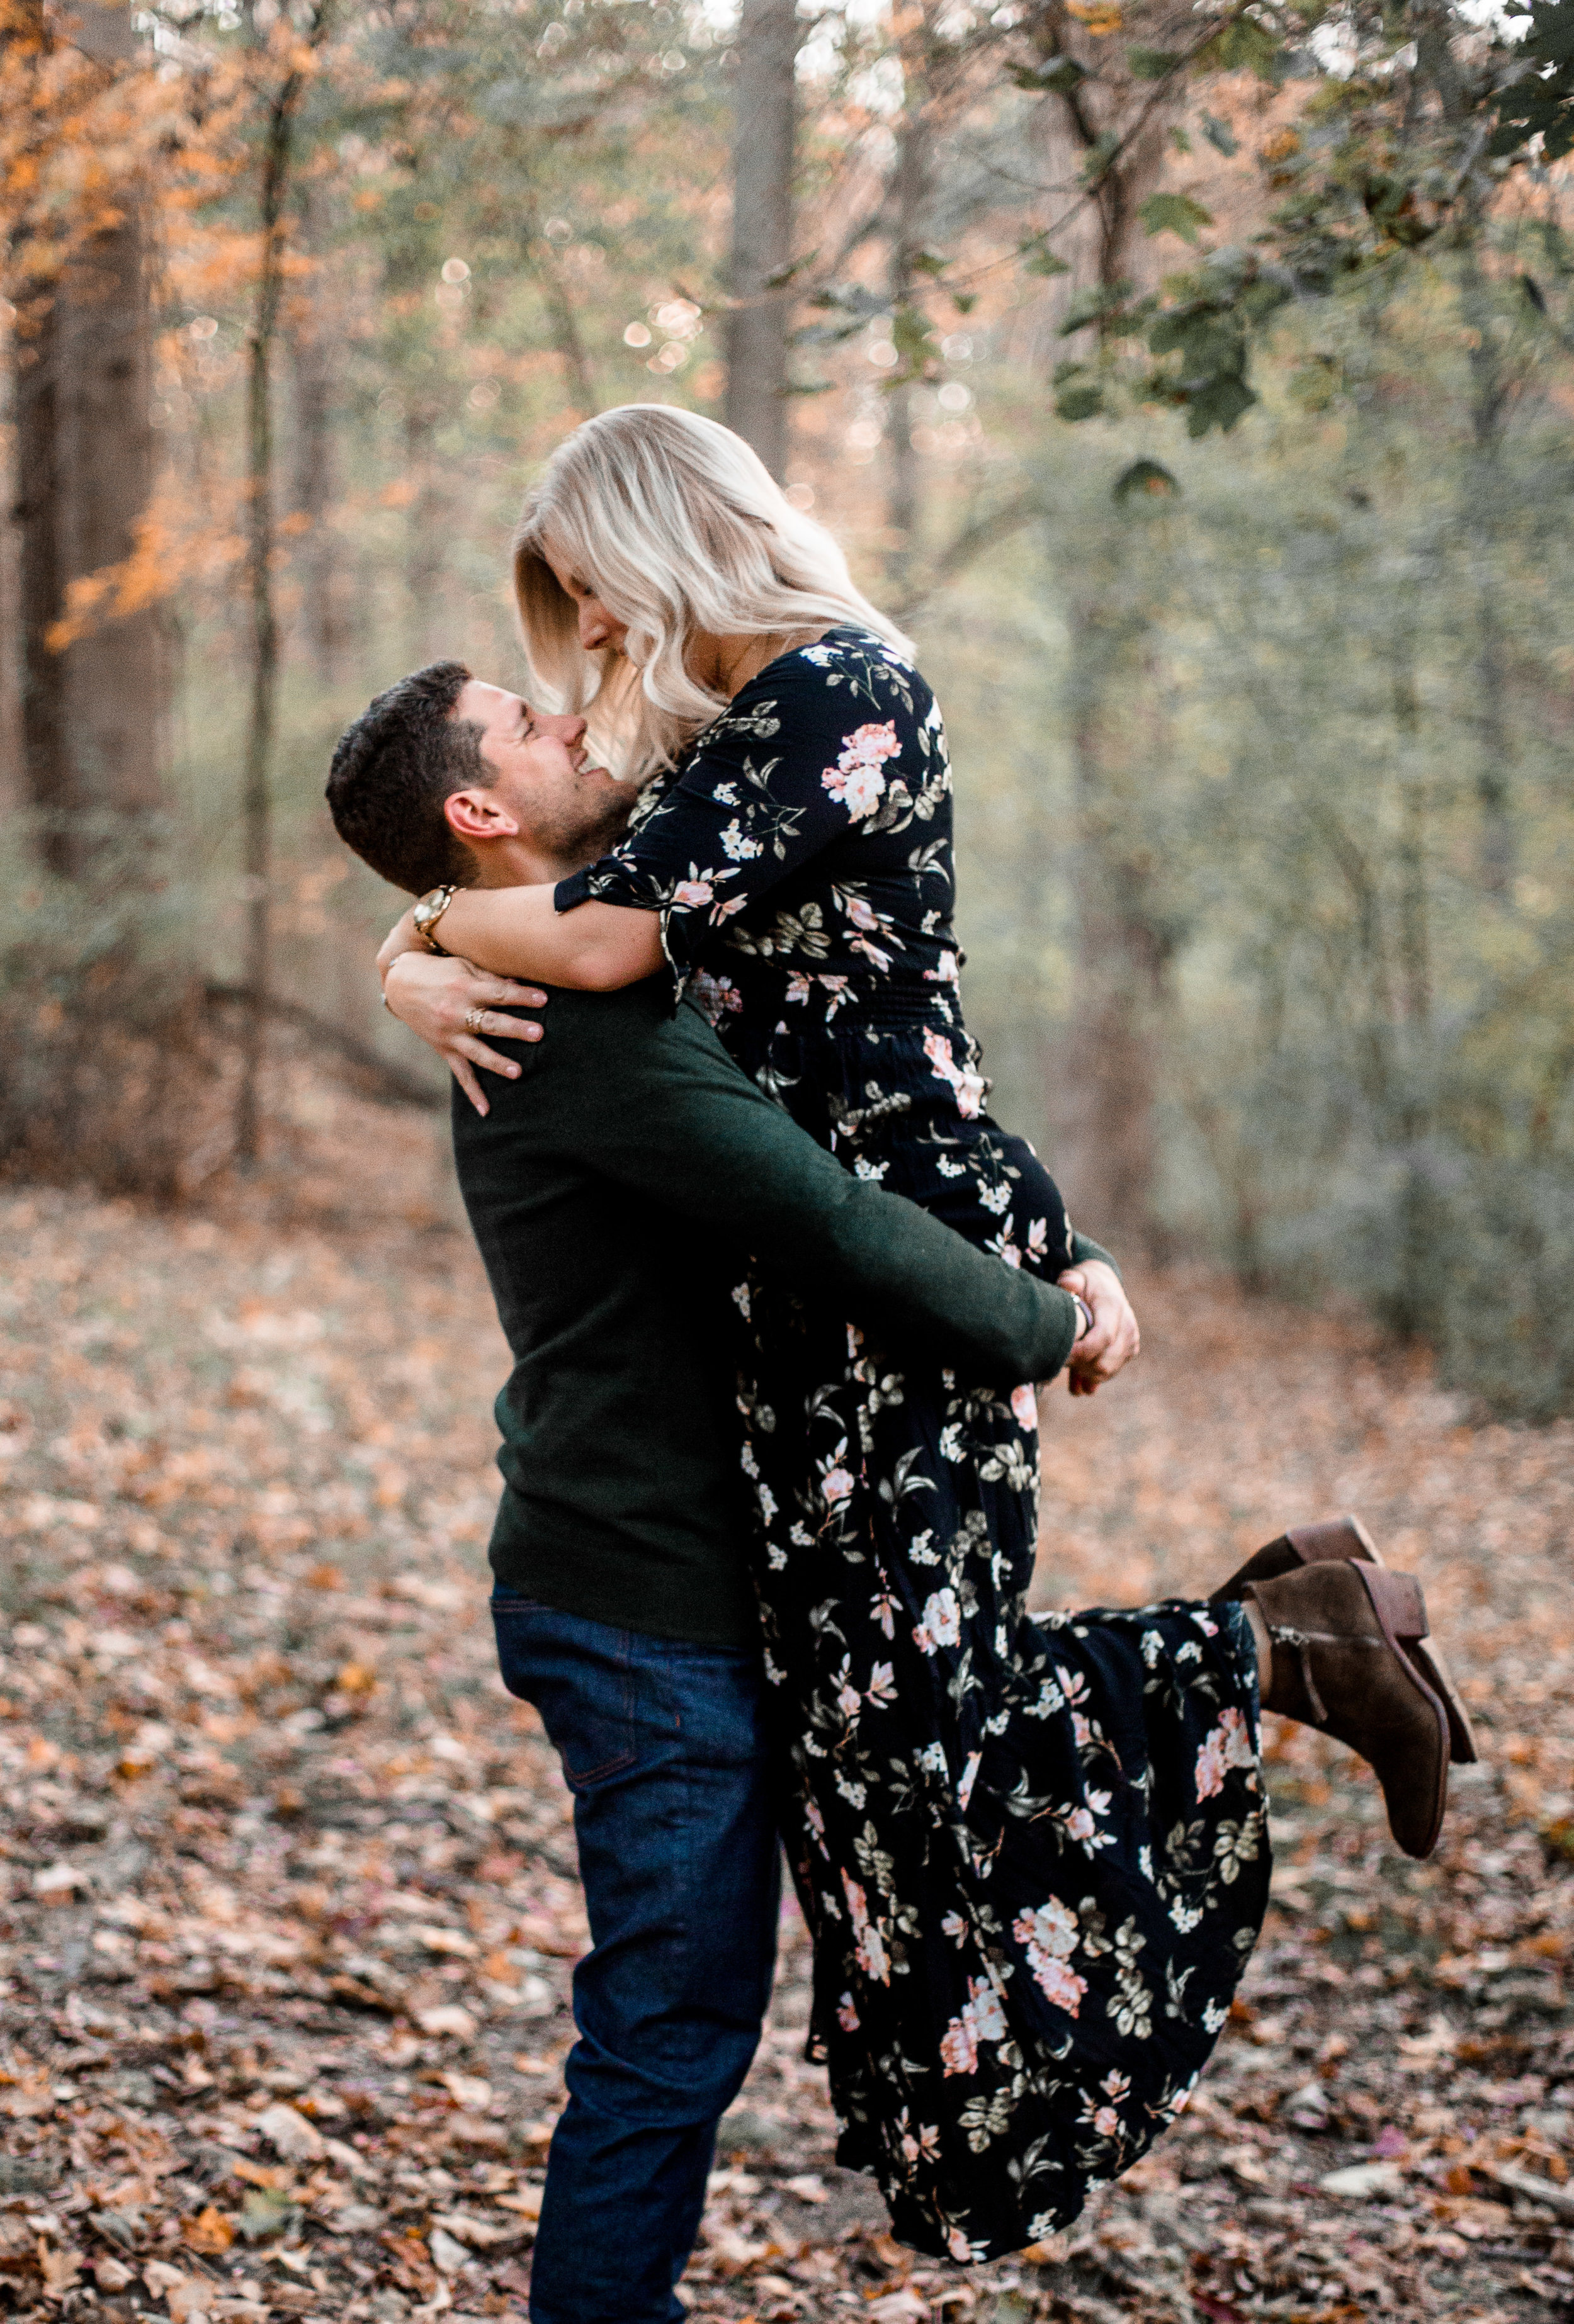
(1195, 380)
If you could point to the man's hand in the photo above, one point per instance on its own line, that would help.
(449, 1003)
(1113, 1339)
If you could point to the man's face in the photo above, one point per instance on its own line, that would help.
(539, 770)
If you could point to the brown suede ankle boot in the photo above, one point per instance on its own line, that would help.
(1337, 1539)
(1341, 1634)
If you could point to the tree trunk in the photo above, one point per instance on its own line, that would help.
(12, 790)
(1122, 947)
(522, 218)
(1490, 397)
(1417, 1307)
(45, 771)
(909, 194)
(1107, 1076)
(114, 694)
(322, 606)
(424, 563)
(762, 231)
(256, 798)
(1494, 388)
(571, 344)
(92, 712)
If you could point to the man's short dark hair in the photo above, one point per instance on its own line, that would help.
(394, 768)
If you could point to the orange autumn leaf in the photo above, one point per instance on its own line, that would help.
(212, 2230)
(1098, 17)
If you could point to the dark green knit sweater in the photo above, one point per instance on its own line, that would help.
(614, 1189)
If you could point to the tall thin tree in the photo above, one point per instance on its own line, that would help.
(1108, 134)
(909, 198)
(312, 351)
(281, 109)
(765, 145)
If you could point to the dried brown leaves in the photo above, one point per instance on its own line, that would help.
(291, 1895)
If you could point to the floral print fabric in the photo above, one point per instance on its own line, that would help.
(1032, 1853)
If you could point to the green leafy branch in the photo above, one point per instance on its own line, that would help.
(1401, 157)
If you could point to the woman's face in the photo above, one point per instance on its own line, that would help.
(599, 630)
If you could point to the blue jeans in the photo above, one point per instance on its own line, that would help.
(662, 1746)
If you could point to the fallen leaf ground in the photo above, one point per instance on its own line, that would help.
(287, 1881)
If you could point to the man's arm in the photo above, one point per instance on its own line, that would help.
(657, 1105)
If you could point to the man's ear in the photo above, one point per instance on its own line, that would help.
(478, 814)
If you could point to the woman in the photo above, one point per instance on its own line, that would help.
(1032, 1856)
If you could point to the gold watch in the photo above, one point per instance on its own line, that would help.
(428, 912)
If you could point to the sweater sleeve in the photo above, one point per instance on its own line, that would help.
(670, 1117)
(1084, 1247)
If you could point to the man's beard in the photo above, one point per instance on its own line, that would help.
(582, 843)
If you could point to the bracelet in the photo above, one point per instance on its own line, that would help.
(1086, 1313)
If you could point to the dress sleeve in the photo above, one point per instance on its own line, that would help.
(826, 740)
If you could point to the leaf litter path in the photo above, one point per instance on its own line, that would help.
(291, 1898)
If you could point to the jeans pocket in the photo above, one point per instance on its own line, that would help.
(581, 1677)
(597, 1740)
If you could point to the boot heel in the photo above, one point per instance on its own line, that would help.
(1412, 1628)
(1428, 1659)
(1405, 1619)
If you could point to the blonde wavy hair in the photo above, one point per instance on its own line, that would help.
(677, 526)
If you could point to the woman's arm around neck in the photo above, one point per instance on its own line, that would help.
(518, 932)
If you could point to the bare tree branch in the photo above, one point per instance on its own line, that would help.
(971, 543)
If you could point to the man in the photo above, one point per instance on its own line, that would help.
(624, 1168)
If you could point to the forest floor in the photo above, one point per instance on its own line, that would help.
(291, 1896)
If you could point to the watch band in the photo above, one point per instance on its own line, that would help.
(428, 912)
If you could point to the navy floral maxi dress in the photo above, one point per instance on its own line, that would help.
(1032, 1854)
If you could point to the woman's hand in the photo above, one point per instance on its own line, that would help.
(1113, 1339)
(435, 996)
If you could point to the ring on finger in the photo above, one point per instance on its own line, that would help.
(475, 1020)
